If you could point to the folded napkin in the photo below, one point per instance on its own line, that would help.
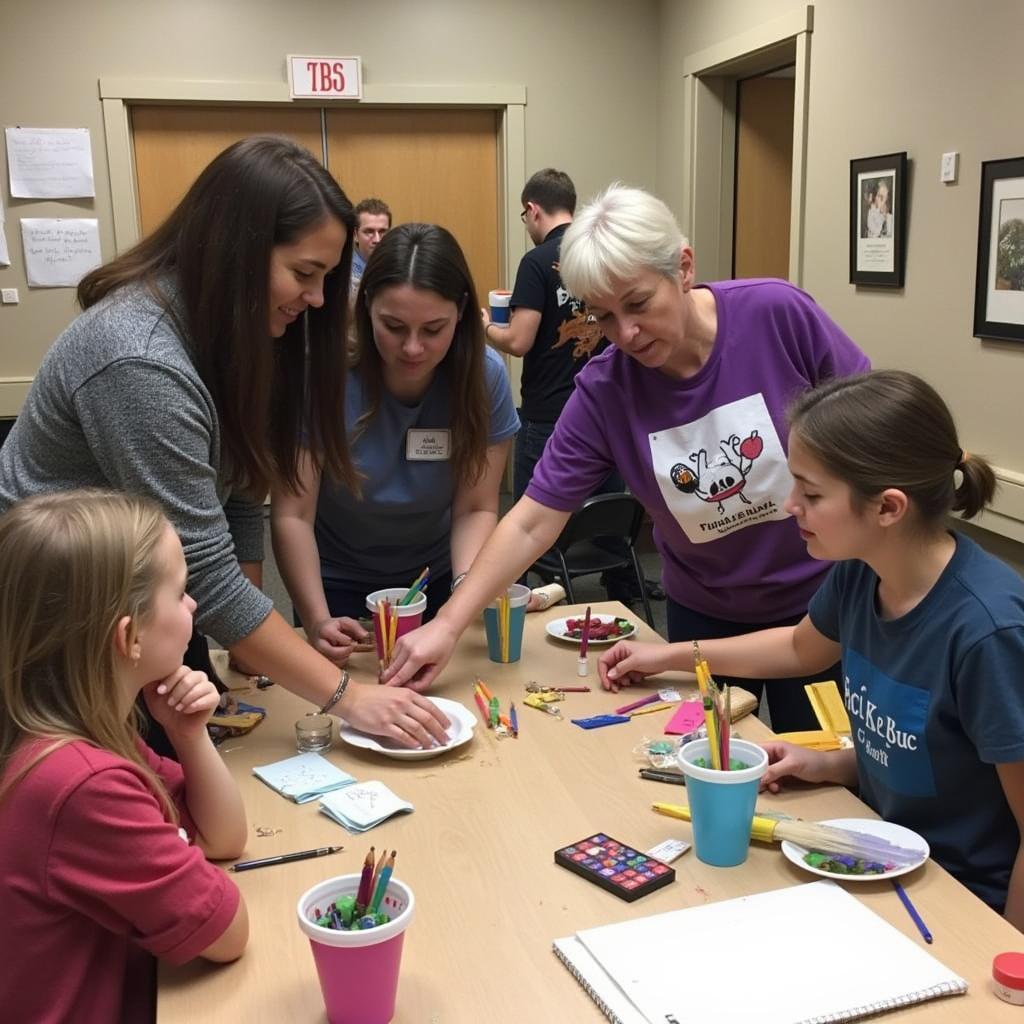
(304, 777)
(359, 808)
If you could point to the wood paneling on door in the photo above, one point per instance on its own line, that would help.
(764, 173)
(173, 144)
(437, 166)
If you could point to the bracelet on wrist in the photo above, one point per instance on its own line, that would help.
(458, 579)
(338, 693)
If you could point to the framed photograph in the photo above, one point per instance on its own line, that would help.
(878, 219)
(999, 287)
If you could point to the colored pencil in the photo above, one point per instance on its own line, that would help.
(364, 891)
(626, 708)
(664, 706)
(483, 689)
(416, 586)
(912, 911)
(382, 883)
(478, 697)
(514, 719)
(377, 870)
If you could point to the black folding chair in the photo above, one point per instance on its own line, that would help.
(575, 553)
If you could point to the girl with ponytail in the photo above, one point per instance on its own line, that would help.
(929, 626)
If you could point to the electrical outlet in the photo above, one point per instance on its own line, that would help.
(9, 295)
(950, 162)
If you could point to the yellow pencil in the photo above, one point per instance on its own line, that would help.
(650, 709)
(503, 627)
(383, 632)
(483, 689)
(392, 634)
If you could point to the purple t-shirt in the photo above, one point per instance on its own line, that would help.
(706, 456)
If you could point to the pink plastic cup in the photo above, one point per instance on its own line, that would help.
(358, 970)
(409, 615)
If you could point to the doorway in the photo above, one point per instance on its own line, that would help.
(763, 181)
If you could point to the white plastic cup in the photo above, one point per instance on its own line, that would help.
(358, 970)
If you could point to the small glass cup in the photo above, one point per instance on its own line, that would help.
(313, 732)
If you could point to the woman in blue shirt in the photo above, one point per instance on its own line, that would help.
(430, 418)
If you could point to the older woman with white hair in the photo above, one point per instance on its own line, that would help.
(689, 406)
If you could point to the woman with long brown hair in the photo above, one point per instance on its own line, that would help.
(430, 418)
(206, 360)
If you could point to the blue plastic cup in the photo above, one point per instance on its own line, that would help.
(721, 802)
(499, 301)
(519, 598)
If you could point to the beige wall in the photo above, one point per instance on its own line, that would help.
(571, 56)
(925, 76)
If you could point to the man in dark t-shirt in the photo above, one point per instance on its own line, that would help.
(548, 327)
(553, 334)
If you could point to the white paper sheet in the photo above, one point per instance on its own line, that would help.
(50, 163)
(59, 253)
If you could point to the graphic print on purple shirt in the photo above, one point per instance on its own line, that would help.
(888, 719)
(722, 472)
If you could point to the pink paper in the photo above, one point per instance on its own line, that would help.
(689, 717)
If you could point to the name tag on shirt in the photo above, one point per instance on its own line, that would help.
(428, 445)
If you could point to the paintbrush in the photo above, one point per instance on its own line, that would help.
(814, 836)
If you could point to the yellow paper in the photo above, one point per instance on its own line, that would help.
(828, 706)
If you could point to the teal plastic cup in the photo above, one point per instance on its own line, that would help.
(519, 598)
(722, 803)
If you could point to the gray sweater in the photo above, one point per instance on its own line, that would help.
(118, 404)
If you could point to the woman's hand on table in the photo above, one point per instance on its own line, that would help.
(629, 662)
(408, 718)
(420, 655)
(336, 639)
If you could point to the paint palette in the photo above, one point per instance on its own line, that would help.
(622, 870)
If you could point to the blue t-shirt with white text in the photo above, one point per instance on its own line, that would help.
(936, 701)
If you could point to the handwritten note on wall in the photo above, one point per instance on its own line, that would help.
(58, 253)
(50, 163)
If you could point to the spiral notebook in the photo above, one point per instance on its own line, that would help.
(807, 953)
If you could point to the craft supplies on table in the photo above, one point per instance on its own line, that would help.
(622, 870)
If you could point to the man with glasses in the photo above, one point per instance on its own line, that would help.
(373, 221)
(552, 333)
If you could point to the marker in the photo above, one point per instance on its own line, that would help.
(912, 911)
(284, 858)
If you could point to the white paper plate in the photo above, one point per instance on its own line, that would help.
(459, 732)
(896, 834)
(557, 629)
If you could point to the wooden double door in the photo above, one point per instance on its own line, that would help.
(433, 165)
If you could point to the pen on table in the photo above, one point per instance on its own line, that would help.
(284, 858)
(676, 778)
(912, 911)
(581, 662)
(514, 720)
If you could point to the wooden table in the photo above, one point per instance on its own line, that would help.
(478, 854)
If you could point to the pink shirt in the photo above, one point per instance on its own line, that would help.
(94, 879)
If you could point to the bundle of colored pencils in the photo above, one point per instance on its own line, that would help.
(490, 711)
(717, 711)
(504, 625)
(418, 584)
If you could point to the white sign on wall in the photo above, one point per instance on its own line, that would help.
(320, 77)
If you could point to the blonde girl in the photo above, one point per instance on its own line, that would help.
(103, 845)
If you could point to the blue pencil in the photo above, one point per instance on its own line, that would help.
(912, 911)
(382, 883)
